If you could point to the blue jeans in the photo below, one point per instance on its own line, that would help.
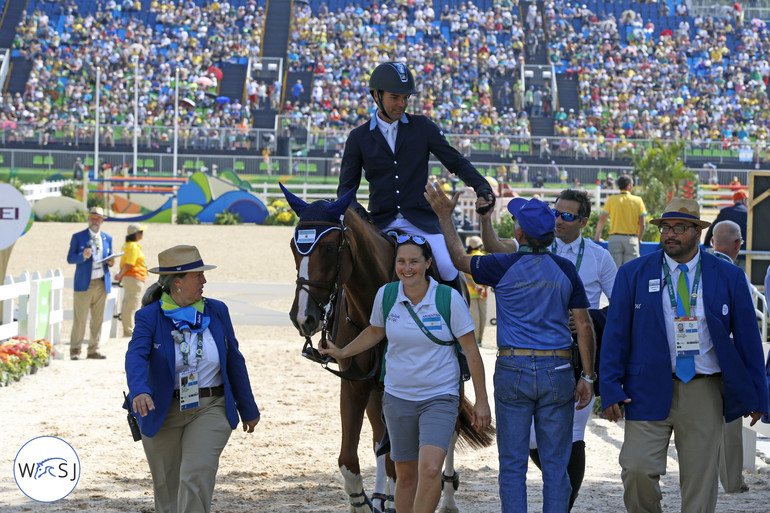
(542, 388)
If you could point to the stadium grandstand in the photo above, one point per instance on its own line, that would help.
(546, 81)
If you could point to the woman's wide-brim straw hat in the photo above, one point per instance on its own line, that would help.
(180, 259)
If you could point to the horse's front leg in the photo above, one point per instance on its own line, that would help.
(385, 481)
(353, 398)
(450, 480)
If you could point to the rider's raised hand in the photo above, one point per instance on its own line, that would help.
(483, 204)
(489, 202)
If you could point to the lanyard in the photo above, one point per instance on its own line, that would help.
(670, 286)
(184, 348)
(580, 252)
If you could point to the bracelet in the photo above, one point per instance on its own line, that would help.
(589, 379)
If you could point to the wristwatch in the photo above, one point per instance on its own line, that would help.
(588, 378)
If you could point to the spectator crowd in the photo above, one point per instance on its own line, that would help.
(700, 78)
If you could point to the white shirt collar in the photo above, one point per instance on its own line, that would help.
(574, 245)
(672, 264)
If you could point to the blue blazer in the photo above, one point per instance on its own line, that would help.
(635, 361)
(79, 242)
(397, 180)
(150, 362)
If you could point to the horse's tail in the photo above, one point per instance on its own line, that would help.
(469, 437)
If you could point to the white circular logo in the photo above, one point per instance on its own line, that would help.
(46, 469)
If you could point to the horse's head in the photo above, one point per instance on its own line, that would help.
(319, 252)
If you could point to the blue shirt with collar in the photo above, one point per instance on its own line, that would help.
(533, 293)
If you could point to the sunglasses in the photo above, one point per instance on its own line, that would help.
(566, 215)
(417, 239)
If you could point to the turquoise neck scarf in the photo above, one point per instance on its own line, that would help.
(188, 317)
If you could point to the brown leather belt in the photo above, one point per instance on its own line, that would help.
(697, 376)
(206, 392)
(559, 353)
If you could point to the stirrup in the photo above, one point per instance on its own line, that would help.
(455, 480)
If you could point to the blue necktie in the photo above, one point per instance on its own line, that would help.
(685, 365)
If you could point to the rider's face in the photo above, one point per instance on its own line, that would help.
(394, 104)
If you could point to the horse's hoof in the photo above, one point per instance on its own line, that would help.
(449, 510)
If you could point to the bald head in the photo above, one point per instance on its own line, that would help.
(726, 238)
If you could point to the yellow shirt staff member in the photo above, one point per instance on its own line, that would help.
(626, 213)
(132, 275)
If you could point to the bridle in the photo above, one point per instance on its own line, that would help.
(330, 312)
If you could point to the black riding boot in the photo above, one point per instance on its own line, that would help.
(576, 467)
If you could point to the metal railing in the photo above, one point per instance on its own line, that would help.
(299, 135)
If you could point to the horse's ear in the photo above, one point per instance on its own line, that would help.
(338, 207)
(296, 203)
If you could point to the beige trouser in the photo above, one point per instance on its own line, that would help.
(184, 456)
(623, 248)
(478, 309)
(696, 421)
(731, 457)
(132, 295)
(92, 300)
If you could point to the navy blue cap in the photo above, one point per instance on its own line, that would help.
(534, 216)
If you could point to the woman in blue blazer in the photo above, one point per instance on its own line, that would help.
(188, 383)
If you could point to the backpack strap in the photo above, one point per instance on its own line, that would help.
(444, 305)
(389, 298)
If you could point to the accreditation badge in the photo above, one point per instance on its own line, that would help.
(188, 391)
(686, 336)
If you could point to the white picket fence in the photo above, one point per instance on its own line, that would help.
(37, 191)
(24, 310)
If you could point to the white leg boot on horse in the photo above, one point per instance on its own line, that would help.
(382, 497)
(450, 480)
(354, 487)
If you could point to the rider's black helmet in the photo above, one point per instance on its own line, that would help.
(392, 77)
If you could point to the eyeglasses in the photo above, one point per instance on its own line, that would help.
(566, 215)
(418, 239)
(678, 229)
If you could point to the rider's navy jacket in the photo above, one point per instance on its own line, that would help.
(397, 181)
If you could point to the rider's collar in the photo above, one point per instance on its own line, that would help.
(373, 121)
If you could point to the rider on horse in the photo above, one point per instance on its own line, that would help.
(393, 149)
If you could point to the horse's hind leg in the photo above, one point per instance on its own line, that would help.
(450, 480)
(353, 399)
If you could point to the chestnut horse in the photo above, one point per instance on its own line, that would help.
(342, 260)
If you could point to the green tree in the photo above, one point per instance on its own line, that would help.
(662, 173)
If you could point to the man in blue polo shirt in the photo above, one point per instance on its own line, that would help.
(535, 291)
